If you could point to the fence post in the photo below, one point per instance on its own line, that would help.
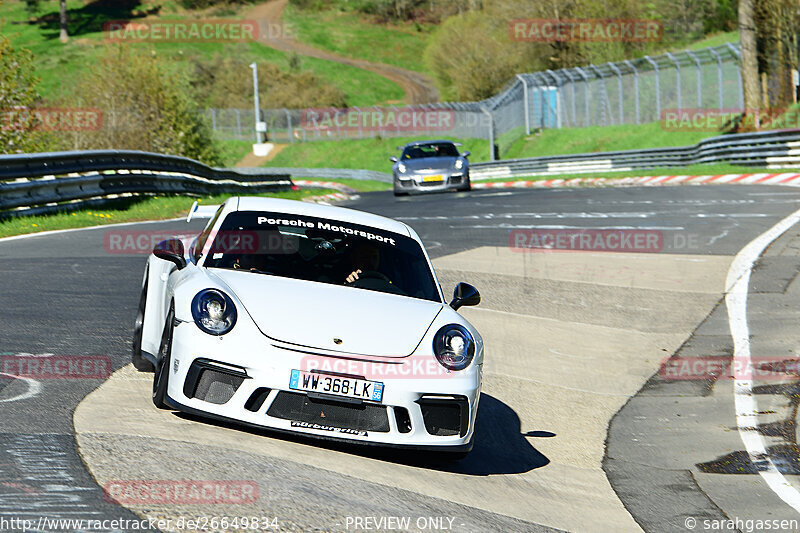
(635, 88)
(605, 94)
(738, 56)
(491, 133)
(572, 92)
(658, 86)
(677, 77)
(613, 67)
(521, 78)
(586, 94)
(238, 123)
(699, 78)
(719, 77)
(289, 131)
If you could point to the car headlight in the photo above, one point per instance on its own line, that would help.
(213, 312)
(459, 164)
(454, 347)
(401, 168)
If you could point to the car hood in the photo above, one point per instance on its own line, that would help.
(312, 315)
(434, 163)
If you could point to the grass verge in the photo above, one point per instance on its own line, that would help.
(370, 154)
(128, 210)
(601, 139)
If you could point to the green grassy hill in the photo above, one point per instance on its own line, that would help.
(61, 66)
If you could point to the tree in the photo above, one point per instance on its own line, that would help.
(747, 36)
(64, 36)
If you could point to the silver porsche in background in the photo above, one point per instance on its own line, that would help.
(427, 166)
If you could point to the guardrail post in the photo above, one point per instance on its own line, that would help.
(491, 133)
(521, 78)
(699, 78)
(635, 89)
(658, 86)
(719, 77)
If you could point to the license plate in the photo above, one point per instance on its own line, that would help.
(437, 177)
(361, 389)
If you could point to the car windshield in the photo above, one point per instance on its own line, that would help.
(430, 150)
(324, 251)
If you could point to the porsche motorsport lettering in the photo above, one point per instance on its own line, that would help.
(326, 226)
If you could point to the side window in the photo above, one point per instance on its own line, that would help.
(201, 240)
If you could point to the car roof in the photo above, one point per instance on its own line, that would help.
(419, 143)
(341, 214)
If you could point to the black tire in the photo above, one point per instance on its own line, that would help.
(139, 362)
(161, 377)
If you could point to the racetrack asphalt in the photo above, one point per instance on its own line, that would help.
(571, 338)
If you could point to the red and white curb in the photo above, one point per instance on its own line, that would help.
(343, 192)
(791, 179)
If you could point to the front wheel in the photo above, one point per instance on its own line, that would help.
(161, 377)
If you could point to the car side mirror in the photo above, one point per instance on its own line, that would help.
(465, 294)
(465, 154)
(393, 159)
(171, 250)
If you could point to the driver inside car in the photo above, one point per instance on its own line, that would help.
(365, 258)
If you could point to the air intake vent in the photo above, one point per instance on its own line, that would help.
(211, 383)
(257, 399)
(445, 416)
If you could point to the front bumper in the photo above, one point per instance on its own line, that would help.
(416, 182)
(247, 381)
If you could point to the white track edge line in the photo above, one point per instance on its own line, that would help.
(746, 406)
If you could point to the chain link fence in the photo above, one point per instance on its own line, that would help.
(627, 92)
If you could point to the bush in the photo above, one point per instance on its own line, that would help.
(227, 83)
(146, 106)
(18, 127)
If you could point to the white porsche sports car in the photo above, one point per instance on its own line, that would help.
(311, 319)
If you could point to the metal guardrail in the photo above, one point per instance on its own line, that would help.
(772, 150)
(47, 182)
